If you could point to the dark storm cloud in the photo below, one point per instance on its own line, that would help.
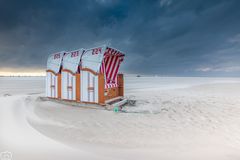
(166, 37)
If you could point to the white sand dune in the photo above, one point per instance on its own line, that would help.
(174, 118)
(18, 137)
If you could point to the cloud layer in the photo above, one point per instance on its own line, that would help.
(165, 37)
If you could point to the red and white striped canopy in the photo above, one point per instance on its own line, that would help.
(110, 66)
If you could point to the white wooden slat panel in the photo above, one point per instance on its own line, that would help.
(68, 80)
(63, 79)
(89, 80)
(84, 86)
(96, 89)
(51, 85)
(48, 84)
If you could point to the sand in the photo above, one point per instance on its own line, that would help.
(174, 118)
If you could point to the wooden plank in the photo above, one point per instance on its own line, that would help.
(109, 101)
(101, 97)
(120, 85)
(78, 87)
(59, 85)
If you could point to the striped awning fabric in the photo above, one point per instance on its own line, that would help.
(111, 51)
(111, 85)
(110, 66)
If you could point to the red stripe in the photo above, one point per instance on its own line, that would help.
(110, 68)
(111, 51)
(115, 53)
(119, 53)
(116, 71)
(107, 51)
(108, 64)
(113, 67)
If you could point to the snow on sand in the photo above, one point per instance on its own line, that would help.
(177, 118)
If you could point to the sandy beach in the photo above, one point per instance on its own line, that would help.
(177, 118)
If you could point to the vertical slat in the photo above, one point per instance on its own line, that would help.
(93, 85)
(88, 84)
(47, 84)
(51, 85)
(101, 98)
(78, 85)
(96, 89)
(120, 84)
(59, 86)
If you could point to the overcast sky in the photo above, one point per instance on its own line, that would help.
(164, 37)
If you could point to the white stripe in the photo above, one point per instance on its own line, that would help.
(111, 85)
(109, 61)
(115, 69)
(54, 86)
(111, 67)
